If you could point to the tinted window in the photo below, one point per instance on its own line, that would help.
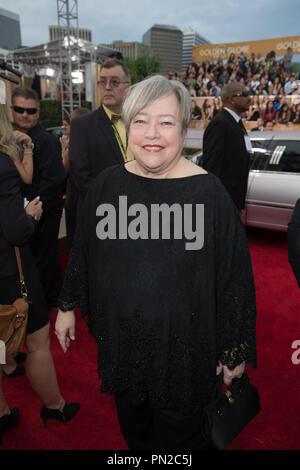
(261, 154)
(276, 155)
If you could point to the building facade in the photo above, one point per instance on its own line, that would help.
(166, 42)
(56, 32)
(130, 49)
(10, 31)
(190, 38)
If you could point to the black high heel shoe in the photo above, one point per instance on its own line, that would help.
(9, 421)
(20, 357)
(19, 370)
(67, 413)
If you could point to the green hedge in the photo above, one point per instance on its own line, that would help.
(50, 114)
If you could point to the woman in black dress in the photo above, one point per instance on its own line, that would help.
(16, 227)
(161, 267)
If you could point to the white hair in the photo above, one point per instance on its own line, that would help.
(144, 93)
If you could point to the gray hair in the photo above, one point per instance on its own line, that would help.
(26, 93)
(110, 63)
(144, 93)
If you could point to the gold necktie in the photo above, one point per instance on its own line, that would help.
(115, 118)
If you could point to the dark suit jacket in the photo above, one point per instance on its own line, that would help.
(225, 155)
(93, 147)
(16, 227)
(294, 241)
(48, 174)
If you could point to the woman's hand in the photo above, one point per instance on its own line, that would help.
(64, 142)
(34, 208)
(65, 328)
(229, 375)
(22, 138)
(25, 164)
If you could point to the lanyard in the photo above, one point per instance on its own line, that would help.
(124, 150)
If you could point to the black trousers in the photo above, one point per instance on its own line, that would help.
(44, 249)
(148, 428)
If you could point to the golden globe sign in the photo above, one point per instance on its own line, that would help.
(262, 47)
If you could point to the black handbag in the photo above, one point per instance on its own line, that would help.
(229, 413)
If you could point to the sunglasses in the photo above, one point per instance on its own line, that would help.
(20, 110)
(242, 93)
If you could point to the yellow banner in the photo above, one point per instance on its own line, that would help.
(262, 47)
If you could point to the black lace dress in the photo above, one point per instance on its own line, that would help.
(163, 315)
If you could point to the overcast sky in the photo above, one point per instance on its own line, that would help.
(217, 20)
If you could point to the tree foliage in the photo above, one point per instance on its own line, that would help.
(143, 66)
(50, 112)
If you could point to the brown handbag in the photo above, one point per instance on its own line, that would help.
(13, 318)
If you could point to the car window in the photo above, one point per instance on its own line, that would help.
(261, 153)
(276, 155)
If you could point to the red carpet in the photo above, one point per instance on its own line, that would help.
(277, 378)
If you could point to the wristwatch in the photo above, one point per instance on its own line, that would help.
(28, 146)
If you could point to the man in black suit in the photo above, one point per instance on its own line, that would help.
(98, 139)
(48, 177)
(226, 145)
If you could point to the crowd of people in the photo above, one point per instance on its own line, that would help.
(150, 335)
(160, 348)
(270, 82)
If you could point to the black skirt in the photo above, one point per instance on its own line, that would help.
(10, 290)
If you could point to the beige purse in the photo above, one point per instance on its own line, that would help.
(13, 318)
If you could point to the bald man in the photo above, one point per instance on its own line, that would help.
(226, 145)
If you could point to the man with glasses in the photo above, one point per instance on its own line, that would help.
(98, 140)
(48, 177)
(226, 145)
